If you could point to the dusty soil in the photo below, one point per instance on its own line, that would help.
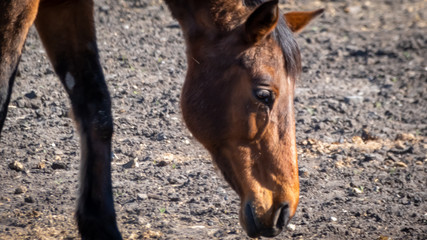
(361, 128)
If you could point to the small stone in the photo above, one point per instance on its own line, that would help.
(367, 135)
(58, 152)
(311, 141)
(20, 103)
(400, 164)
(36, 214)
(141, 196)
(392, 157)
(291, 227)
(303, 172)
(353, 9)
(131, 164)
(334, 219)
(20, 189)
(31, 95)
(373, 156)
(400, 145)
(41, 165)
(59, 165)
(357, 140)
(353, 99)
(357, 190)
(161, 137)
(104, 8)
(29, 199)
(34, 106)
(405, 137)
(162, 164)
(174, 199)
(17, 166)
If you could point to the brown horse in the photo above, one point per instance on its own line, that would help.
(237, 99)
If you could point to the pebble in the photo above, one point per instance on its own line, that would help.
(357, 190)
(131, 164)
(392, 157)
(59, 165)
(29, 199)
(400, 164)
(400, 145)
(162, 164)
(104, 8)
(161, 137)
(31, 95)
(405, 137)
(303, 172)
(142, 196)
(20, 189)
(174, 198)
(58, 152)
(291, 227)
(373, 156)
(353, 9)
(353, 99)
(41, 165)
(334, 219)
(17, 166)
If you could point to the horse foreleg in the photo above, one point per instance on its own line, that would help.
(16, 17)
(68, 34)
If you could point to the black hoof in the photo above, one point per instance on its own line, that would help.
(98, 228)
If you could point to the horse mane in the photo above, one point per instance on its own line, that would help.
(284, 37)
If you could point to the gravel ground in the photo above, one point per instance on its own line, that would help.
(361, 109)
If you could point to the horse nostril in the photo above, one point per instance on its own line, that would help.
(282, 216)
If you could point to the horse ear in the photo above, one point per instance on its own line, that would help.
(296, 21)
(262, 21)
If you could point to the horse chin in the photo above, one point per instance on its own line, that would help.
(251, 225)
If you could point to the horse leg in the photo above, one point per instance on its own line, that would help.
(16, 17)
(68, 33)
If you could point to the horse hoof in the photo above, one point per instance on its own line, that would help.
(99, 228)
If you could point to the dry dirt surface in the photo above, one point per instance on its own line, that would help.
(361, 109)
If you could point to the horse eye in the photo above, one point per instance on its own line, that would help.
(264, 95)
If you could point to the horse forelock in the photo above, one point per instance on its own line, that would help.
(284, 37)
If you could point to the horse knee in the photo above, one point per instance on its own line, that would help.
(94, 119)
(102, 124)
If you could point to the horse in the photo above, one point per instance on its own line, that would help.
(237, 99)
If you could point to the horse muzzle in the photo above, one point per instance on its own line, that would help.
(255, 228)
